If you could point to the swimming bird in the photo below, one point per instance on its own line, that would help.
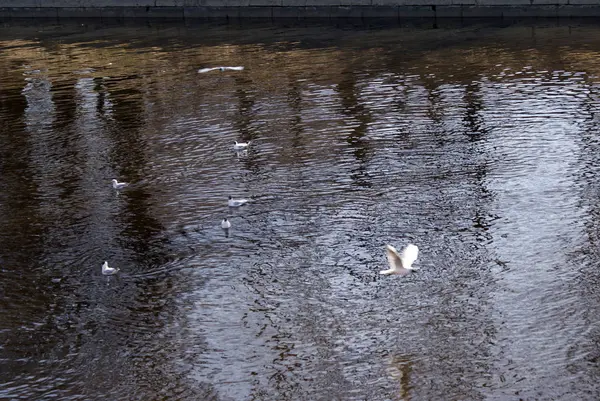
(236, 202)
(118, 185)
(109, 271)
(203, 70)
(225, 224)
(241, 145)
(401, 264)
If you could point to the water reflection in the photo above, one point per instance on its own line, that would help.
(478, 148)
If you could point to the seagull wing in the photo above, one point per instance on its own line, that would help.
(409, 255)
(203, 70)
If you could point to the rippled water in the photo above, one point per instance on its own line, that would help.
(478, 143)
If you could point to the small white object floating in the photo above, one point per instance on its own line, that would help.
(236, 202)
(118, 185)
(225, 224)
(109, 271)
(203, 70)
(241, 145)
(401, 264)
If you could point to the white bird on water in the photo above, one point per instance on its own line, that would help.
(401, 264)
(203, 70)
(236, 202)
(241, 145)
(225, 224)
(118, 185)
(109, 271)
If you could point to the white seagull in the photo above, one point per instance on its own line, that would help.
(236, 202)
(225, 224)
(109, 271)
(401, 264)
(203, 70)
(241, 145)
(118, 185)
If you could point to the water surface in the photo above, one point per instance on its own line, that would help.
(479, 143)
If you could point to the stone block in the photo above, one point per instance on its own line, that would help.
(168, 3)
(287, 12)
(382, 11)
(360, 3)
(293, 3)
(195, 13)
(415, 12)
(389, 3)
(172, 13)
(578, 11)
(503, 3)
(482, 11)
(266, 3)
(448, 11)
(102, 3)
(256, 12)
(549, 2)
(345, 12)
(19, 3)
(112, 12)
(427, 2)
(224, 3)
(464, 2)
(135, 12)
(322, 3)
(79, 12)
(314, 12)
(524, 12)
(34, 12)
(223, 12)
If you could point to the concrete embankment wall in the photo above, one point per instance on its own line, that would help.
(274, 9)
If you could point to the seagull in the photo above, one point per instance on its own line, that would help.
(241, 145)
(118, 185)
(203, 70)
(225, 224)
(401, 264)
(236, 202)
(109, 271)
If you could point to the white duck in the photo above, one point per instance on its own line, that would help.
(401, 264)
(109, 271)
(236, 202)
(118, 185)
(241, 145)
(225, 224)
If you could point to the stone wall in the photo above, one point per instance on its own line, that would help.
(273, 9)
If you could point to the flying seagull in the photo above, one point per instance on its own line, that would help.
(236, 202)
(203, 70)
(401, 264)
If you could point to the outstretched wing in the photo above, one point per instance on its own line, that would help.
(409, 255)
(393, 257)
(203, 70)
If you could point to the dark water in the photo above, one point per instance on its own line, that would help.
(478, 143)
